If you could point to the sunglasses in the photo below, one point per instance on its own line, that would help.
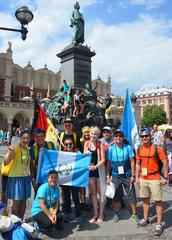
(120, 136)
(68, 144)
(68, 125)
(144, 136)
(106, 132)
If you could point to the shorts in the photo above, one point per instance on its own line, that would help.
(128, 188)
(151, 188)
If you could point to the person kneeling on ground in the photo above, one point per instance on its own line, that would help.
(46, 204)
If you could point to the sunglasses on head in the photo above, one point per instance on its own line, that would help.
(144, 136)
(68, 144)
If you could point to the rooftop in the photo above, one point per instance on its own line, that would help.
(162, 90)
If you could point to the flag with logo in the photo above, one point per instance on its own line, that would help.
(72, 167)
(128, 123)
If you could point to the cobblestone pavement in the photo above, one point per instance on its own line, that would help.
(125, 229)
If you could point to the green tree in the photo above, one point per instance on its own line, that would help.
(153, 114)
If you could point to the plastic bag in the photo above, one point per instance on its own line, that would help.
(110, 190)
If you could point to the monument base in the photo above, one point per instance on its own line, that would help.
(76, 65)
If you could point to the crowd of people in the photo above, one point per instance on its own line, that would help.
(112, 161)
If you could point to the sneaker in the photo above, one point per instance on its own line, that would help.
(79, 222)
(68, 218)
(116, 217)
(143, 223)
(134, 218)
(158, 229)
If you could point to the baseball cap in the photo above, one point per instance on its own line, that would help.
(107, 128)
(68, 120)
(119, 131)
(147, 130)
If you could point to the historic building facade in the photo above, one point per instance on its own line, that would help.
(161, 96)
(15, 105)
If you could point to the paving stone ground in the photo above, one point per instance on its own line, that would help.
(125, 229)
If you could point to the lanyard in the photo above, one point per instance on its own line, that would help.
(50, 196)
(21, 156)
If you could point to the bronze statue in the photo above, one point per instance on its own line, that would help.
(77, 22)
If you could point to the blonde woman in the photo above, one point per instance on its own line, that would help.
(97, 173)
(85, 135)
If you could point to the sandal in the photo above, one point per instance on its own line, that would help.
(93, 219)
(99, 220)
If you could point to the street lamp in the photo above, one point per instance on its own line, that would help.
(24, 16)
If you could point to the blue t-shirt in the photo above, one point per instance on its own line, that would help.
(120, 157)
(50, 196)
(106, 141)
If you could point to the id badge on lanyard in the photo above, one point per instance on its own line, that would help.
(144, 171)
(121, 170)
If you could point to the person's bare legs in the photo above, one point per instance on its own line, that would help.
(133, 208)
(159, 211)
(93, 188)
(22, 208)
(101, 203)
(146, 208)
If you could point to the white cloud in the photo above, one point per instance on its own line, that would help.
(134, 54)
(148, 4)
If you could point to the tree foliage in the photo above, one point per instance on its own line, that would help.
(153, 114)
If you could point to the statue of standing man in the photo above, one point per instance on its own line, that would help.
(77, 22)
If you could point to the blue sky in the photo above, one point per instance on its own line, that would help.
(132, 38)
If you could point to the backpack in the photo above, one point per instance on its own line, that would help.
(160, 164)
(62, 137)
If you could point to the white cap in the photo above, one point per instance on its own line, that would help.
(107, 128)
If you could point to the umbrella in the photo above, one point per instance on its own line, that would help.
(47, 100)
(163, 127)
(27, 99)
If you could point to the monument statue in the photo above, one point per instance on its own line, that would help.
(77, 22)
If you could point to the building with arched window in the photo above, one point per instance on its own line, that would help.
(16, 109)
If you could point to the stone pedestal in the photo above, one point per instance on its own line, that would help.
(76, 65)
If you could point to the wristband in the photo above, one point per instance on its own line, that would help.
(166, 178)
(108, 176)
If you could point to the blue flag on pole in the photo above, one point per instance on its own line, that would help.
(128, 125)
(72, 167)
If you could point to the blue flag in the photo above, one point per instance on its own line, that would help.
(72, 167)
(128, 125)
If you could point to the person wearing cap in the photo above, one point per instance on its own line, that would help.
(121, 163)
(148, 177)
(107, 138)
(39, 138)
(68, 132)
